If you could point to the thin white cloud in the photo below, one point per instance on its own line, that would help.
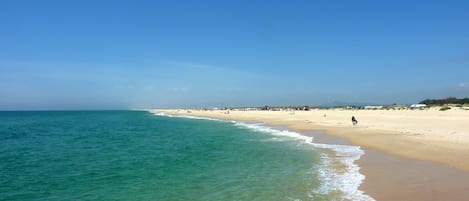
(463, 85)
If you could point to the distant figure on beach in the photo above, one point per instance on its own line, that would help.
(354, 121)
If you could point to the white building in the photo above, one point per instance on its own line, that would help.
(418, 105)
(373, 107)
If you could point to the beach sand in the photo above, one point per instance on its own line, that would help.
(395, 178)
(409, 154)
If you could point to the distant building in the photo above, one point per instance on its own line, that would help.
(418, 105)
(373, 107)
(304, 108)
(265, 107)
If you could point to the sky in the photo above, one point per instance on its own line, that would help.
(78, 54)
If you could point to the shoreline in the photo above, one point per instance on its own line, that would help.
(388, 176)
(340, 172)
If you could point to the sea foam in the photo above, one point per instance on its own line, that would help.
(161, 114)
(185, 116)
(347, 181)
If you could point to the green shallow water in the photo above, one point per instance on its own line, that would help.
(135, 155)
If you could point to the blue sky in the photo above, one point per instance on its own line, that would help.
(140, 54)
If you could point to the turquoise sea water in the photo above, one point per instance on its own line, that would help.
(136, 155)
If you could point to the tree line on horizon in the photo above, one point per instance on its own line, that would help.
(449, 100)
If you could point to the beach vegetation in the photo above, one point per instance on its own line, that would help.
(445, 108)
(449, 100)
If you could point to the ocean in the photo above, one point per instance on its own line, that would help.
(138, 155)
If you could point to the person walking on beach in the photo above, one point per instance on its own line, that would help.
(354, 121)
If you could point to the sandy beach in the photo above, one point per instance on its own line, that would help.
(409, 154)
